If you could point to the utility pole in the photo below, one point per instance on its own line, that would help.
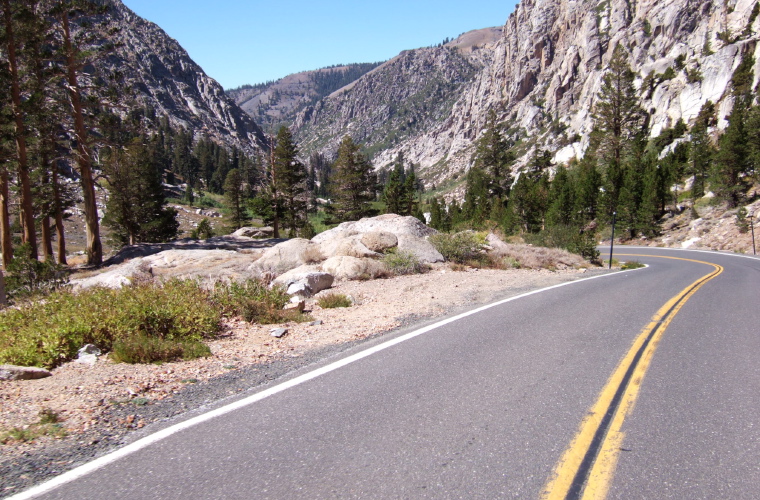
(612, 238)
(752, 227)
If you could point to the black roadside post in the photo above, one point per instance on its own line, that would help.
(612, 239)
(752, 227)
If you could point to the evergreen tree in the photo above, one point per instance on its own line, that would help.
(561, 199)
(353, 183)
(702, 150)
(732, 159)
(494, 158)
(588, 182)
(618, 119)
(135, 209)
(288, 183)
(393, 194)
(234, 197)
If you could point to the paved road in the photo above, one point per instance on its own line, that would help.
(487, 406)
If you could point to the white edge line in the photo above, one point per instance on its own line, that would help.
(104, 460)
(711, 252)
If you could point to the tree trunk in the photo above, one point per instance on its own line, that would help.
(6, 243)
(84, 159)
(27, 212)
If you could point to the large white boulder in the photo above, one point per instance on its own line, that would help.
(288, 255)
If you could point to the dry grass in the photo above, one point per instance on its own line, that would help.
(312, 254)
(530, 257)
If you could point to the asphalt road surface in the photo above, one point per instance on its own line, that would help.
(637, 384)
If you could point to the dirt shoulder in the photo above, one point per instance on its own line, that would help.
(101, 404)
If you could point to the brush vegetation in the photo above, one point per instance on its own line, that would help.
(142, 323)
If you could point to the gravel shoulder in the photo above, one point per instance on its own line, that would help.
(106, 405)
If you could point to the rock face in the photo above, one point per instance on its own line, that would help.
(541, 76)
(164, 77)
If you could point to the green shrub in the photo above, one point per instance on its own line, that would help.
(249, 299)
(49, 333)
(460, 247)
(402, 262)
(333, 300)
(48, 425)
(631, 264)
(28, 278)
(204, 231)
(570, 238)
(142, 348)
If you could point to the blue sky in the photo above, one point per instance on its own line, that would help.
(238, 42)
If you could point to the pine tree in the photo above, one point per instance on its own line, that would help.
(732, 159)
(618, 119)
(288, 183)
(353, 183)
(393, 194)
(561, 199)
(135, 210)
(494, 158)
(702, 150)
(234, 197)
(16, 16)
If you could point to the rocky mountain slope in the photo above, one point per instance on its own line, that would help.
(277, 103)
(163, 76)
(400, 100)
(542, 76)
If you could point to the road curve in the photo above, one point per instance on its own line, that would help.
(487, 405)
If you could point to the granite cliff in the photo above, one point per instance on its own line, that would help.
(541, 74)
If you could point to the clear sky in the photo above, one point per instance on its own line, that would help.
(239, 42)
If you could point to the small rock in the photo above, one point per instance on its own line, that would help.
(316, 323)
(299, 305)
(12, 372)
(278, 332)
(87, 359)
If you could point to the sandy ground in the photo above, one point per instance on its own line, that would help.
(82, 394)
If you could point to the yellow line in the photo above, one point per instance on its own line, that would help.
(601, 473)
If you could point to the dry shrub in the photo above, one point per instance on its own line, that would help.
(312, 254)
(333, 300)
(530, 257)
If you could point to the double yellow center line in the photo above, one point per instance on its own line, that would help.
(586, 468)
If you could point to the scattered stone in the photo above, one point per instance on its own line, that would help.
(278, 332)
(295, 304)
(306, 284)
(88, 349)
(316, 323)
(13, 372)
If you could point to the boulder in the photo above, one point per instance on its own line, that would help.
(254, 232)
(420, 248)
(379, 241)
(351, 268)
(388, 223)
(349, 245)
(306, 284)
(288, 255)
(12, 372)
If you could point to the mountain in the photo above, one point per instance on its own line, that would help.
(277, 103)
(541, 75)
(398, 101)
(163, 76)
